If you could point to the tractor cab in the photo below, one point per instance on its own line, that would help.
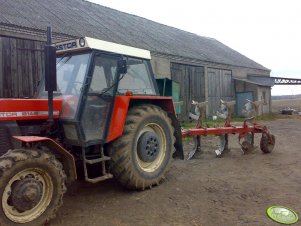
(90, 74)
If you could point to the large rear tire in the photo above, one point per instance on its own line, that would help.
(32, 185)
(142, 155)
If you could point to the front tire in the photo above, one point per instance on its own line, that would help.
(142, 155)
(32, 184)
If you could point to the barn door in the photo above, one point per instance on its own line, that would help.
(220, 86)
(192, 85)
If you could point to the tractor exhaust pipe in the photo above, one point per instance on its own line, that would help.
(50, 72)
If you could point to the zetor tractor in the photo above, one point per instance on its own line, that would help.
(101, 117)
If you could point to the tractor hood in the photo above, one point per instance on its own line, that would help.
(27, 109)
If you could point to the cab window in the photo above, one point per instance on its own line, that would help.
(137, 79)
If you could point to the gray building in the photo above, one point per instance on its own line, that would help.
(205, 68)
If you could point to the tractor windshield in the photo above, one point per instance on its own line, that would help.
(71, 72)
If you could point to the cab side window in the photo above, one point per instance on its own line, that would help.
(137, 79)
(103, 74)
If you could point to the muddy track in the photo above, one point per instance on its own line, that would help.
(233, 190)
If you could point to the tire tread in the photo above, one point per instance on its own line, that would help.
(16, 156)
(121, 166)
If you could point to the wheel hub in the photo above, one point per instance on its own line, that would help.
(26, 194)
(148, 146)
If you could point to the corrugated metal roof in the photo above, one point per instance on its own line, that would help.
(266, 81)
(263, 80)
(81, 18)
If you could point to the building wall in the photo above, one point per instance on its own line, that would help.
(264, 94)
(161, 67)
(259, 93)
(216, 79)
(244, 72)
(21, 66)
(241, 86)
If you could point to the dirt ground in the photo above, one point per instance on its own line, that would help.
(233, 190)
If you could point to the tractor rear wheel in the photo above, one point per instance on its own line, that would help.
(32, 184)
(266, 145)
(142, 155)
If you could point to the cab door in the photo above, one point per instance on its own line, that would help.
(99, 98)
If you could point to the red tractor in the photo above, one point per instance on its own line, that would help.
(102, 117)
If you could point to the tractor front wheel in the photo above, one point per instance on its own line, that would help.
(141, 157)
(32, 184)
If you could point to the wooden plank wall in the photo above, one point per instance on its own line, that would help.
(192, 85)
(21, 67)
(220, 86)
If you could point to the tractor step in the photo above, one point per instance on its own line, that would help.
(98, 179)
(103, 174)
(97, 160)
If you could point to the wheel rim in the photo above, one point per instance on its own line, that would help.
(27, 195)
(155, 163)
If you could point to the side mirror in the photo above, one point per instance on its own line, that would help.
(122, 66)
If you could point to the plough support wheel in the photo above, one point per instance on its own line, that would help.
(267, 143)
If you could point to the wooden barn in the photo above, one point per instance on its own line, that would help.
(205, 68)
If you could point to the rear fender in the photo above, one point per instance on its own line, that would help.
(67, 158)
(122, 105)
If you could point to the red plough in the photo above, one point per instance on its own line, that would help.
(245, 132)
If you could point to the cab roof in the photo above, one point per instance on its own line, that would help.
(92, 43)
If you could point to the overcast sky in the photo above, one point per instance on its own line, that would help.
(267, 31)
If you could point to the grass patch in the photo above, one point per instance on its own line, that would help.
(266, 117)
(206, 123)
